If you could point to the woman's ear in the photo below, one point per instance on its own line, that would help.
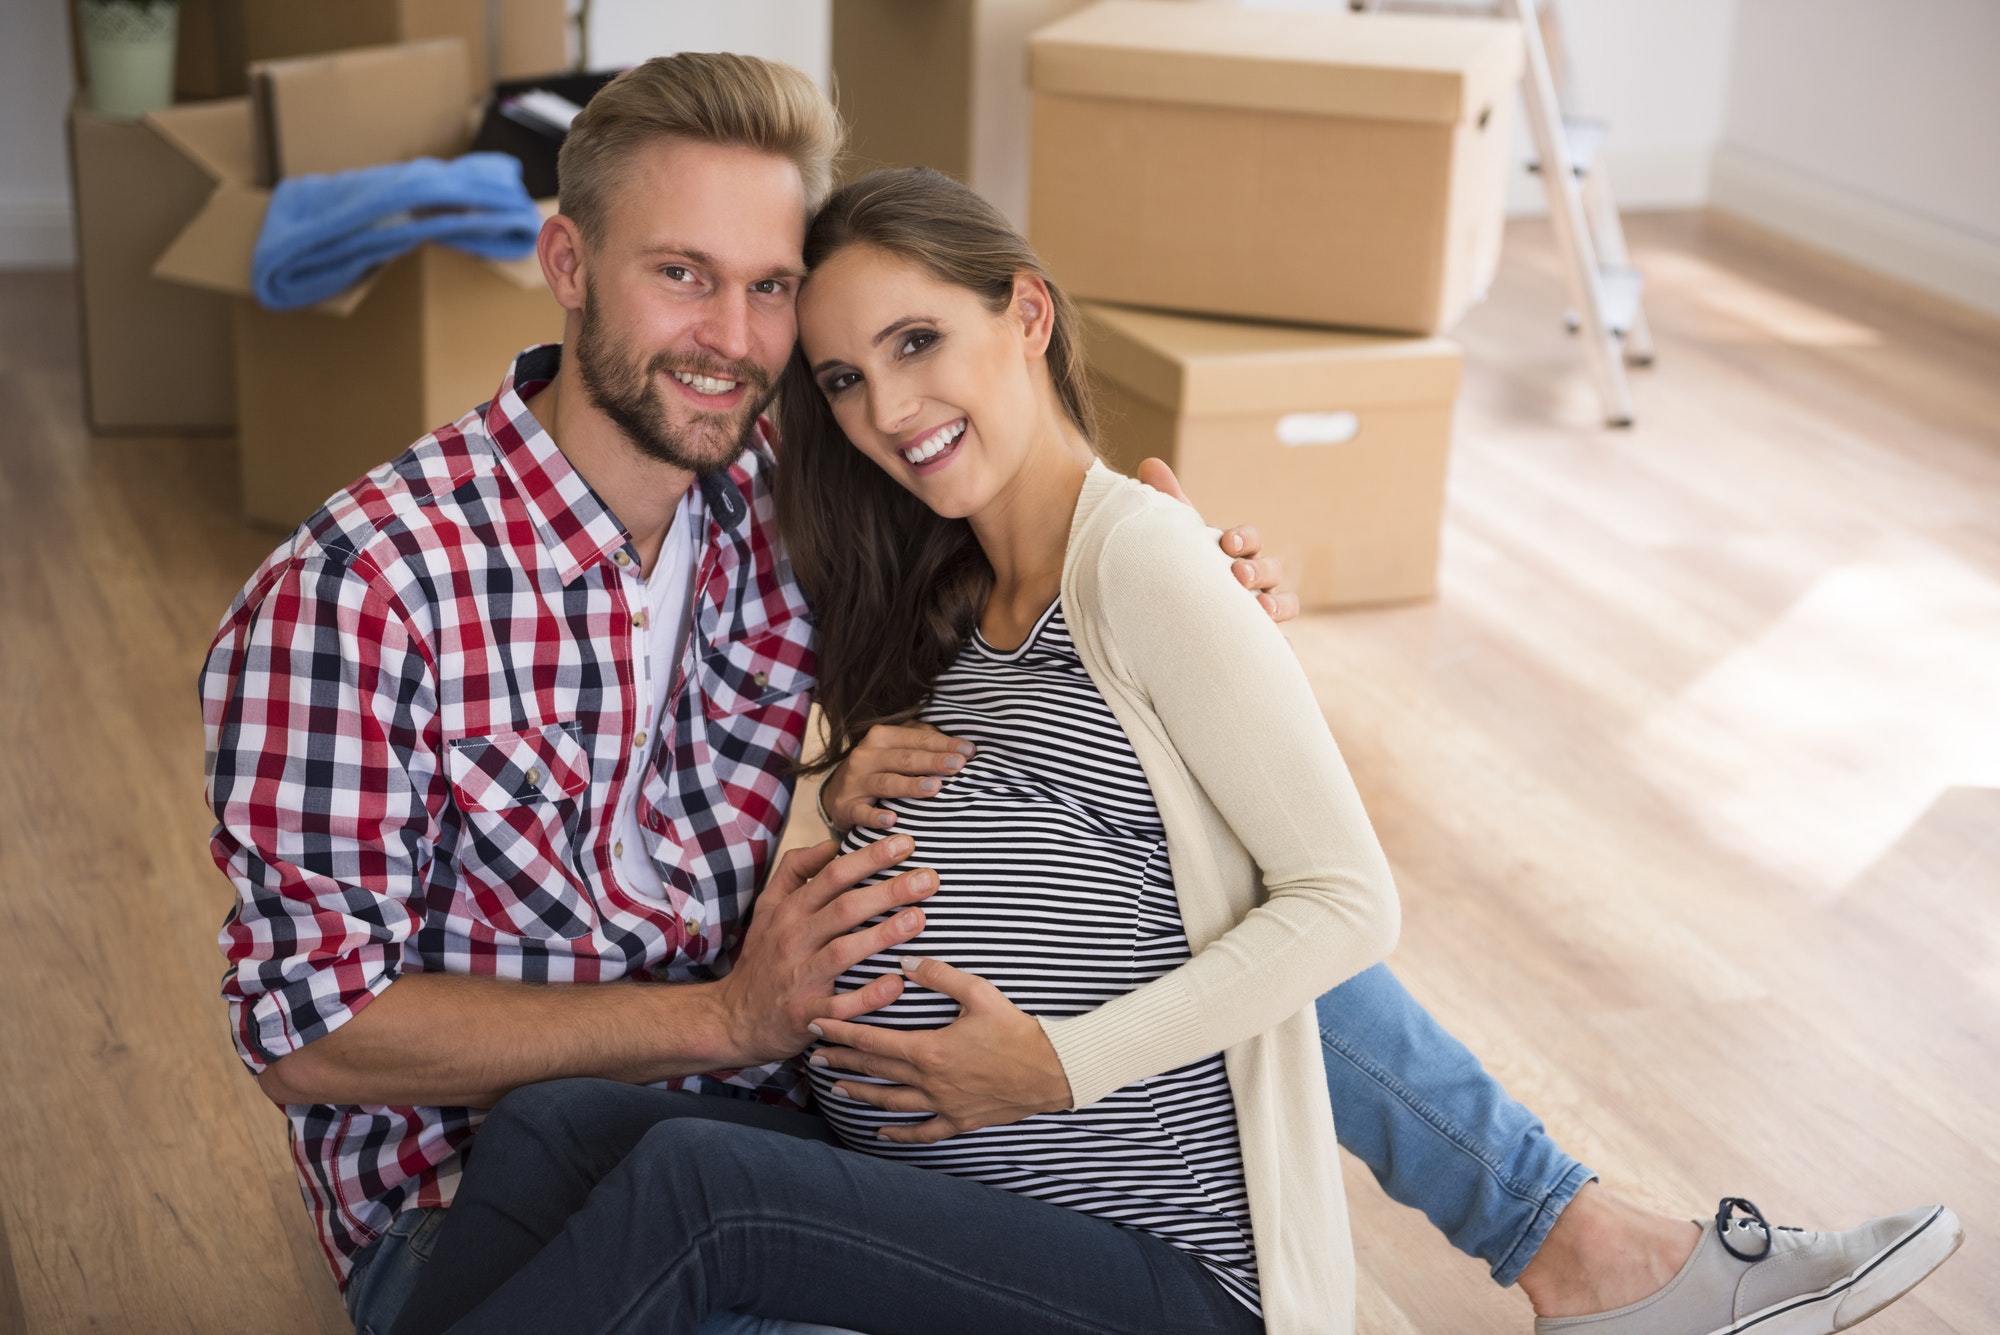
(1036, 311)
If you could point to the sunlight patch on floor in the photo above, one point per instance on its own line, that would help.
(1814, 748)
(1750, 311)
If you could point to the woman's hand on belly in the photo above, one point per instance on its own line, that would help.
(991, 1066)
(907, 762)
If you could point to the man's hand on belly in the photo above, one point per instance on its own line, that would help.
(807, 931)
(991, 1066)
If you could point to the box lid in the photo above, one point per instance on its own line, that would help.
(346, 109)
(215, 136)
(1196, 367)
(1403, 67)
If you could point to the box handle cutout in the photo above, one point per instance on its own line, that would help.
(1318, 428)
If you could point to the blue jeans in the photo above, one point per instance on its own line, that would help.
(590, 1205)
(1409, 1100)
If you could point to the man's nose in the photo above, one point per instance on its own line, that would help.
(726, 330)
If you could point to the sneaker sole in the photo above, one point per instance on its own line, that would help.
(1876, 1283)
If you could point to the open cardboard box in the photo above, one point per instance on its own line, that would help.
(1334, 444)
(1324, 168)
(503, 38)
(323, 395)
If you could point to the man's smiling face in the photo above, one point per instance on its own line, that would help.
(687, 316)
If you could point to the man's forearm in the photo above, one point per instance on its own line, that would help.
(443, 1040)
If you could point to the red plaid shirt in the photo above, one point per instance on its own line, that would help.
(421, 717)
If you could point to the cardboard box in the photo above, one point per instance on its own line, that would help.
(1341, 169)
(1334, 444)
(324, 395)
(503, 38)
(156, 355)
(941, 83)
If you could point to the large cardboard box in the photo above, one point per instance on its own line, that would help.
(324, 395)
(1334, 444)
(1327, 168)
(156, 355)
(941, 83)
(503, 38)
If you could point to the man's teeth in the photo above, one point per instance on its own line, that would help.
(704, 384)
(936, 443)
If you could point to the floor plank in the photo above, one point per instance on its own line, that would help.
(1690, 777)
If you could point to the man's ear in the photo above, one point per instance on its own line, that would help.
(560, 248)
(1036, 310)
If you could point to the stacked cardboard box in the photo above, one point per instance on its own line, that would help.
(1317, 169)
(159, 356)
(323, 395)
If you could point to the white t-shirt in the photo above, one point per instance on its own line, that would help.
(657, 652)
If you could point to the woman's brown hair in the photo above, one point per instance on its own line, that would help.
(896, 588)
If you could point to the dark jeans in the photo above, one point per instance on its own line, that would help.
(589, 1205)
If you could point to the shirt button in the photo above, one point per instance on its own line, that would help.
(534, 777)
(761, 678)
(638, 739)
(639, 618)
(621, 558)
(618, 849)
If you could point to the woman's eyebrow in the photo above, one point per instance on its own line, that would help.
(821, 368)
(903, 323)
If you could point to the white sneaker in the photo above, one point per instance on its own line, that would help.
(1747, 1277)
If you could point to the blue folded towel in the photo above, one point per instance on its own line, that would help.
(324, 233)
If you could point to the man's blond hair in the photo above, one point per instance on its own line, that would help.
(704, 96)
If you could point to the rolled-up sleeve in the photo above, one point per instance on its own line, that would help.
(319, 706)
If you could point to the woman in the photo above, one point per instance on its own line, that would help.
(1152, 779)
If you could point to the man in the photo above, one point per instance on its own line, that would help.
(499, 744)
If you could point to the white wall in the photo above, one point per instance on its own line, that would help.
(798, 32)
(1871, 130)
(1657, 72)
(35, 86)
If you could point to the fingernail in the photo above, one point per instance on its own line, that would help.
(908, 921)
(881, 1135)
(885, 820)
(923, 880)
(817, 1060)
(929, 785)
(1235, 543)
(911, 963)
(954, 762)
(815, 1031)
(901, 845)
(966, 749)
(840, 1091)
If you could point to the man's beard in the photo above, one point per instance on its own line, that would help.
(623, 391)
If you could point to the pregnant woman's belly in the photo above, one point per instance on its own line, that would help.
(1062, 911)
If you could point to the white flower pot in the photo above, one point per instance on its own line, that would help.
(128, 46)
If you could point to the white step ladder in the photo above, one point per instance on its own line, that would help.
(1604, 290)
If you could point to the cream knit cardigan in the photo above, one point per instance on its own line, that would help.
(1283, 889)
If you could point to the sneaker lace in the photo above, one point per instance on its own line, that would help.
(1725, 1224)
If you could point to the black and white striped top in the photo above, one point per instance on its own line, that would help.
(1055, 887)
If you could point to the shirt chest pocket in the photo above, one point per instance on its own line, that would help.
(520, 794)
(732, 764)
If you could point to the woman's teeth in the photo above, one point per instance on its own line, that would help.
(936, 443)
(704, 384)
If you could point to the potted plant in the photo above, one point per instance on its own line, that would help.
(128, 48)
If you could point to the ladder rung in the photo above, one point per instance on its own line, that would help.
(1585, 138)
(1618, 297)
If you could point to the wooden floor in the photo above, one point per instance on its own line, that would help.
(1691, 780)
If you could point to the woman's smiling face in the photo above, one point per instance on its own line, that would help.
(943, 393)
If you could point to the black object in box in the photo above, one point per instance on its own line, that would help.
(527, 118)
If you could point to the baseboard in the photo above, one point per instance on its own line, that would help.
(35, 232)
(1888, 238)
(1643, 176)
